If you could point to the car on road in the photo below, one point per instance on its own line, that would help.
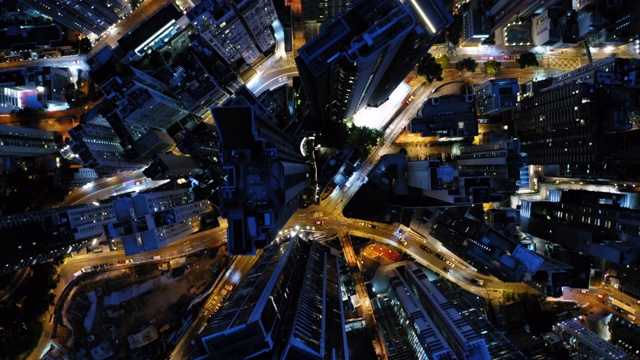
(584, 291)
(319, 222)
(410, 99)
(450, 263)
(508, 57)
(425, 248)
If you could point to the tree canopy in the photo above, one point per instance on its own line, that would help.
(362, 140)
(492, 67)
(468, 64)
(443, 60)
(527, 59)
(429, 69)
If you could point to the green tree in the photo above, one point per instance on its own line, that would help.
(444, 61)
(527, 59)
(85, 45)
(468, 64)
(492, 67)
(429, 69)
(362, 140)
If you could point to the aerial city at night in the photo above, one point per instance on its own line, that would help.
(320, 179)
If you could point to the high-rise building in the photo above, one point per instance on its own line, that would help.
(239, 31)
(499, 160)
(193, 85)
(19, 141)
(151, 33)
(361, 56)
(588, 342)
(439, 314)
(49, 82)
(572, 126)
(220, 26)
(84, 16)
(150, 221)
(504, 10)
(589, 222)
(99, 148)
(140, 99)
(447, 116)
(425, 339)
(476, 25)
(488, 249)
(266, 178)
(497, 95)
(287, 307)
(441, 183)
(258, 16)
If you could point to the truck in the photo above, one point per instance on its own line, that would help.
(623, 306)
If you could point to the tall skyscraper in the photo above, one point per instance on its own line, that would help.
(572, 126)
(361, 56)
(433, 327)
(84, 16)
(240, 31)
(287, 307)
(267, 176)
(99, 148)
(141, 99)
(589, 222)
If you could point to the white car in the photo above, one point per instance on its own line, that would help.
(450, 263)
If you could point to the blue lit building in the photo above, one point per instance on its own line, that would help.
(287, 307)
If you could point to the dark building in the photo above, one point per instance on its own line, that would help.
(287, 307)
(267, 175)
(17, 38)
(625, 335)
(500, 160)
(361, 56)
(590, 222)
(579, 128)
(167, 166)
(489, 250)
(476, 25)
(497, 95)
(447, 116)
